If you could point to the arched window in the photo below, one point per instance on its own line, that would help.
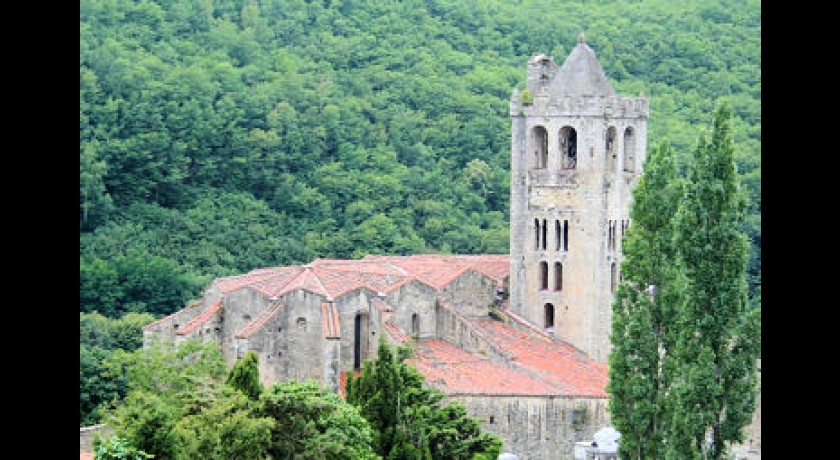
(540, 147)
(536, 234)
(610, 149)
(544, 231)
(558, 234)
(568, 148)
(613, 278)
(543, 275)
(565, 235)
(558, 276)
(415, 326)
(629, 150)
(360, 340)
(549, 317)
(301, 324)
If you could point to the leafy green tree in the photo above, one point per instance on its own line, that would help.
(313, 422)
(95, 388)
(644, 309)
(718, 336)
(99, 336)
(221, 423)
(245, 376)
(408, 418)
(117, 448)
(179, 406)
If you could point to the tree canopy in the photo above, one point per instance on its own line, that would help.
(221, 136)
(686, 338)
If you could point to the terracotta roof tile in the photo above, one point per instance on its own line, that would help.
(383, 306)
(549, 358)
(330, 326)
(334, 278)
(537, 363)
(395, 334)
(232, 283)
(200, 319)
(456, 371)
(193, 305)
(259, 321)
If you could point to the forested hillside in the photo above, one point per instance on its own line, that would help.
(219, 136)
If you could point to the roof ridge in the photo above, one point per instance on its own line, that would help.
(200, 319)
(195, 303)
(476, 330)
(259, 321)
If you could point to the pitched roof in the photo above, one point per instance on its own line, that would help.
(581, 74)
(439, 270)
(330, 326)
(537, 365)
(395, 334)
(334, 278)
(454, 370)
(259, 321)
(193, 305)
(200, 319)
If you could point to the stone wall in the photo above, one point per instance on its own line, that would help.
(538, 427)
(584, 199)
(413, 298)
(304, 336)
(88, 433)
(471, 293)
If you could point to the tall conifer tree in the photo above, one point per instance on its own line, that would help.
(643, 312)
(245, 376)
(714, 392)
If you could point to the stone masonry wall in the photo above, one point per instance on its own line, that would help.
(538, 427)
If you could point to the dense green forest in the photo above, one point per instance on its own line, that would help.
(219, 136)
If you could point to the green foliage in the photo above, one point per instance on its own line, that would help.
(245, 376)
(719, 338)
(322, 116)
(179, 407)
(683, 367)
(642, 334)
(117, 448)
(218, 137)
(315, 423)
(222, 424)
(99, 336)
(95, 388)
(135, 282)
(408, 418)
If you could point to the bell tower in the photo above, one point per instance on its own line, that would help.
(577, 151)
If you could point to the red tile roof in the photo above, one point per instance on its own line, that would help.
(200, 319)
(259, 321)
(456, 371)
(395, 334)
(194, 304)
(538, 365)
(334, 278)
(330, 326)
(439, 270)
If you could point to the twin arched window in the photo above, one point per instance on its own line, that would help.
(567, 138)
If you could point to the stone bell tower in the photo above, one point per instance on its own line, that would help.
(577, 151)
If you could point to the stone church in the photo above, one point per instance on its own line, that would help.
(521, 339)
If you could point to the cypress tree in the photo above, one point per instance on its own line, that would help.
(245, 376)
(643, 312)
(714, 392)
